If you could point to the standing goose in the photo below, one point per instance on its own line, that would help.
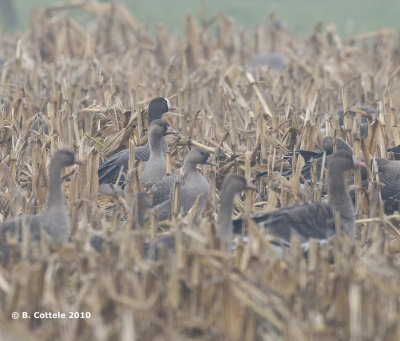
(54, 220)
(110, 169)
(155, 168)
(232, 185)
(316, 219)
(192, 185)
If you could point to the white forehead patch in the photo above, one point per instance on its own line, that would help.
(168, 104)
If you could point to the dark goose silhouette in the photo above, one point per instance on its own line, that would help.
(54, 220)
(155, 168)
(316, 219)
(317, 156)
(192, 184)
(310, 155)
(110, 169)
(327, 145)
(396, 152)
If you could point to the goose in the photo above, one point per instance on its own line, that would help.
(316, 219)
(310, 155)
(192, 185)
(396, 152)
(389, 177)
(110, 169)
(327, 146)
(231, 185)
(54, 220)
(315, 156)
(155, 168)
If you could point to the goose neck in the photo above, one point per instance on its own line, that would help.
(56, 196)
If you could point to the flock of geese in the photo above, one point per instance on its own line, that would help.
(308, 220)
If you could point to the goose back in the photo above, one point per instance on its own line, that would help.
(309, 220)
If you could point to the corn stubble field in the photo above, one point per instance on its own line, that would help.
(92, 85)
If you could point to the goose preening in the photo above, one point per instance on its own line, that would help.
(192, 185)
(316, 219)
(110, 169)
(155, 168)
(54, 220)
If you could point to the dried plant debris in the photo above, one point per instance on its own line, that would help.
(87, 87)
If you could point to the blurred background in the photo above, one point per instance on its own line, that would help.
(300, 16)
